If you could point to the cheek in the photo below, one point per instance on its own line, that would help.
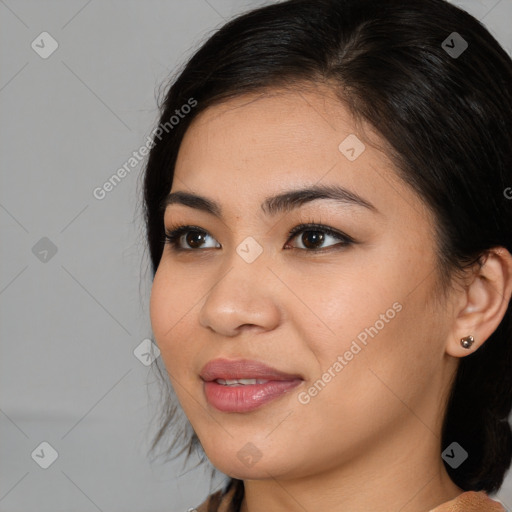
(377, 320)
(366, 387)
(161, 305)
(171, 306)
(340, 303)
(390, 355)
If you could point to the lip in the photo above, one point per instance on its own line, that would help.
(242, 369)
(244, 398)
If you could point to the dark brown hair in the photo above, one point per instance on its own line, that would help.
(448, 121)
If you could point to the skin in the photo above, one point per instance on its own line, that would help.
(370, 440)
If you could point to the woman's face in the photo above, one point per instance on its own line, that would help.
(348, 316)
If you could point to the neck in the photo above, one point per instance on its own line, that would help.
(407, 475)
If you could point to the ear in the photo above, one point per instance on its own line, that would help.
(482, 301)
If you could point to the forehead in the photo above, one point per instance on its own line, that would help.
(266, 125)
(256, 145)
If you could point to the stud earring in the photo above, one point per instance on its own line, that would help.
(467, 341)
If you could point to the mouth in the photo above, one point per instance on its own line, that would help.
(240, 382)
(243, 385)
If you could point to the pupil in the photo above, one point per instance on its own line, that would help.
(199, 237)
(312, 238)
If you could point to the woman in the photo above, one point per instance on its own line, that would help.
(330, 239)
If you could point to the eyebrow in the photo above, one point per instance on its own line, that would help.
(273, 205)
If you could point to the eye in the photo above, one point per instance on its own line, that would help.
(313, 236)
(193, 236)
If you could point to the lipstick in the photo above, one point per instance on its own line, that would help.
(243, 385)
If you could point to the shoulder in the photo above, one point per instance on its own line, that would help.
(470, 501)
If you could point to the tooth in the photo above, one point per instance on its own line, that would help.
(241, 382)
(246, 382)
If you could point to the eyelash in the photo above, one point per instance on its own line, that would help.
(173, 235)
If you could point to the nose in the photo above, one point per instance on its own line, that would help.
(245, 297)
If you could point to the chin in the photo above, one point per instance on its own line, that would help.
(249, 463)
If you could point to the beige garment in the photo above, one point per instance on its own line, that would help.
(469, 501)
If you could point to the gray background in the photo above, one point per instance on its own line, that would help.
(71, 321)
